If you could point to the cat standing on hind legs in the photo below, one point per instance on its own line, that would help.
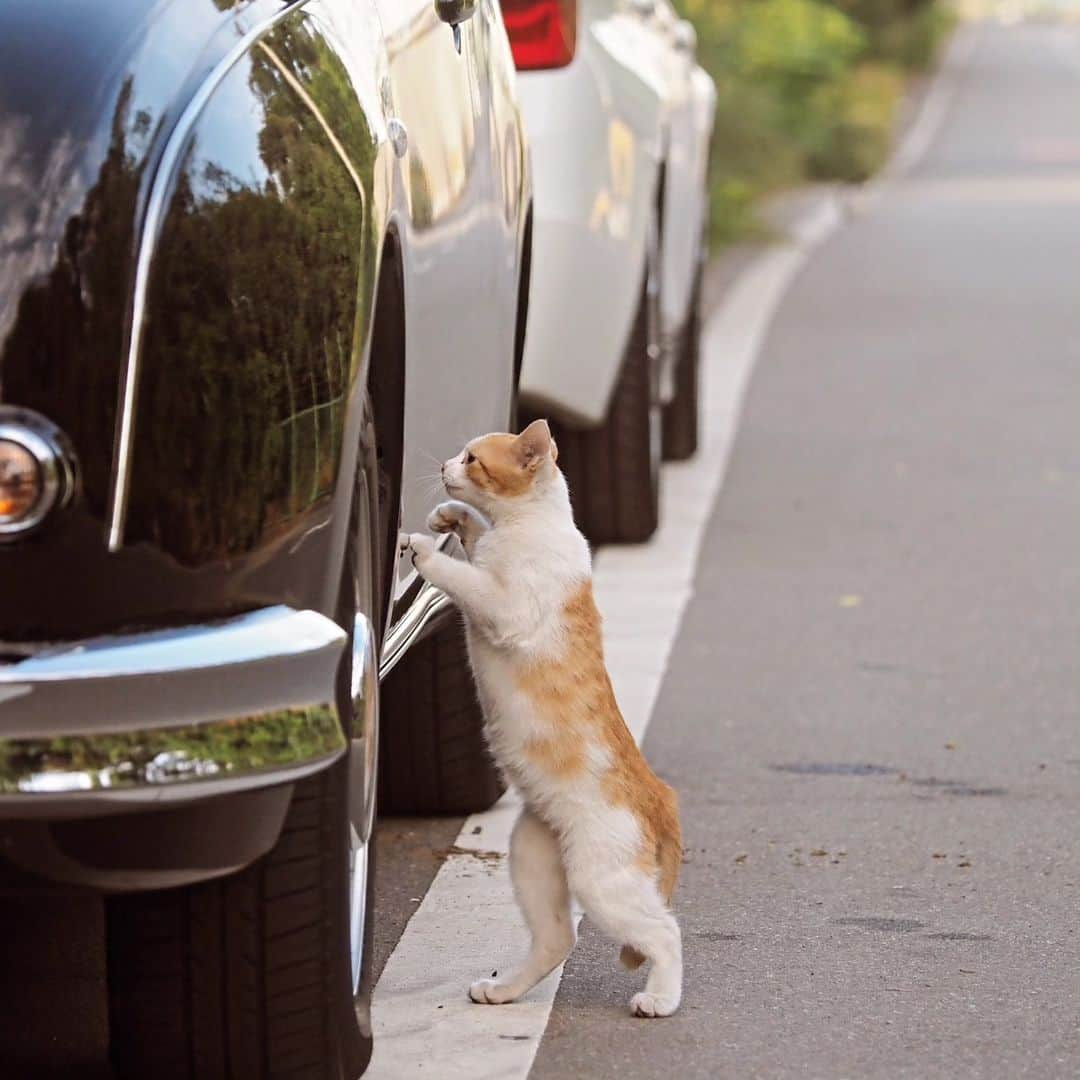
(597, 824)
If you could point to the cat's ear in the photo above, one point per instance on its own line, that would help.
(535, 443)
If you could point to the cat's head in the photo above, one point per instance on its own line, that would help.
(494, 471)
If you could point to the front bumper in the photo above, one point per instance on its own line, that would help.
(132, 721)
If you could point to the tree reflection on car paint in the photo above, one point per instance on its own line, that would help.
(199, 751)
(252, 321)
(62, 355)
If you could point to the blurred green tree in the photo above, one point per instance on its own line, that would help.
(807, 89)
(256, 307)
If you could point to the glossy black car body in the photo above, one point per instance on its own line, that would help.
(238, 243)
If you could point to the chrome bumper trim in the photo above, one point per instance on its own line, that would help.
(430, 602)
(184, 713)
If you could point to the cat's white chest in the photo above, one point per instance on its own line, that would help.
(510, 716)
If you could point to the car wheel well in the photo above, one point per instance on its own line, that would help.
(386, 389)
(661, 197)
(522, 314)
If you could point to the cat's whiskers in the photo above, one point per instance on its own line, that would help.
(427, 478)
(429, 485)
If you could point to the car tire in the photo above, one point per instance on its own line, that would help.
(682, 419)
(434, 757)
(251, 975)
(247, 976)
(614, 470)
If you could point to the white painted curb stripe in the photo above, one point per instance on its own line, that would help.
(935, 107)
(468, 924)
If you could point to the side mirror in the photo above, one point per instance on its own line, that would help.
(686, 37)
(455, 12)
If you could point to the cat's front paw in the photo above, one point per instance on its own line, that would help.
(489, 992)
(447, 517)
(650, 1005)
(420, 548)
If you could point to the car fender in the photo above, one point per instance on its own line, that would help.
(228, 225)
(597, 130)
(684, 194)
(461, 190)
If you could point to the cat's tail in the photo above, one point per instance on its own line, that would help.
(669, 850)
(669, 854)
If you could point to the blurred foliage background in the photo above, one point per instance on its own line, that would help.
(808, 90)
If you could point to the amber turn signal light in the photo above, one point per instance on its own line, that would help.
(21, 483)
(38, 472)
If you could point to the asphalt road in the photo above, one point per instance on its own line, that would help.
(872, 711)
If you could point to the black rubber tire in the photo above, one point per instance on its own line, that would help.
(682, 418)
(433, 756)
(247, 976)
(613, 471)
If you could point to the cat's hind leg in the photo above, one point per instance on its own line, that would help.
(626, 904)
(536, 869)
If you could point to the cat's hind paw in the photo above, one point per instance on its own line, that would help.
(650, 1005)
(489, 992)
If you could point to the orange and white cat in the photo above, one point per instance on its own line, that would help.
(597, 824)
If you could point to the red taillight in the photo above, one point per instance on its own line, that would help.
(542, 33)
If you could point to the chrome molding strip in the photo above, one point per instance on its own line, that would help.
(156, 206)
(429, 603)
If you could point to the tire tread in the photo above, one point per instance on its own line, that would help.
(613, 489)
(434, 758)
(239, 977)
(682, 419)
